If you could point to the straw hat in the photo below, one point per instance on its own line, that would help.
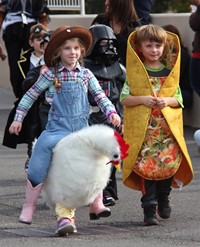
(63, 33)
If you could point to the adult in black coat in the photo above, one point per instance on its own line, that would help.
(16, 19)
(143, 10)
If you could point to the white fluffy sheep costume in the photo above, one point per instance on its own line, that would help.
(81, 165)
(136, 118)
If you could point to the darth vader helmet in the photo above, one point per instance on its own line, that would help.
(105, 46)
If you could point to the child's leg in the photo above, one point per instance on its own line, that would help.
(163, 190)
(28, 209)
(37, 172)
(110, 192)
(149, 202)
(97, 208)
(65, 220)
(40, 160)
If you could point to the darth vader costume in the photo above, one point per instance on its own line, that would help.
(103, 60)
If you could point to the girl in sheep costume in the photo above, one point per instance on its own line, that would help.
(66, 84)
(153, 126)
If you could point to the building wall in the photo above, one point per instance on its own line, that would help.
(191, 116)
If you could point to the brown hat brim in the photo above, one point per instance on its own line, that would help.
(63, 33)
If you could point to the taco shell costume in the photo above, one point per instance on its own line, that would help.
(136, 118)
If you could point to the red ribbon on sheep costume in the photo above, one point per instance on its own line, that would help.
(123, 145)
(123, 148)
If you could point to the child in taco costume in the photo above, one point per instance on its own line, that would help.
(153, 125)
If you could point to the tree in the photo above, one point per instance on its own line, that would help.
(176, 6)
(94, 7)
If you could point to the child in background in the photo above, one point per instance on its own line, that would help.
(34, 56)
(30, 59)
(66, 84)
(103, 60)
(32, 77)
(158, 156)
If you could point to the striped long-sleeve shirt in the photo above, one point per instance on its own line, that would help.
(45, 83)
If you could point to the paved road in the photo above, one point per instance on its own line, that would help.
(123, 228)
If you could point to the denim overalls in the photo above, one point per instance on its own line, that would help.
(69, 112)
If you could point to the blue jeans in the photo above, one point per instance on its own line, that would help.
(69, 112)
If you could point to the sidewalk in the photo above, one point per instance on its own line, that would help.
(123, 228)
(6, 98)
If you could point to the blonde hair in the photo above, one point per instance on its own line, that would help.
(150, 33)
(56, 55)
(56, 58)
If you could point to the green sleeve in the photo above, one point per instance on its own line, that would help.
(125, 91)
(178, 96)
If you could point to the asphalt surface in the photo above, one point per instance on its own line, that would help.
(123, 228)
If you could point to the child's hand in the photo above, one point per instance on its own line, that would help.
(149, 101)
(115, 119)
(162, 102)
(43, 69)
(15, 128)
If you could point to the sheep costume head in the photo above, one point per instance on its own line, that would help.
(81, 165)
